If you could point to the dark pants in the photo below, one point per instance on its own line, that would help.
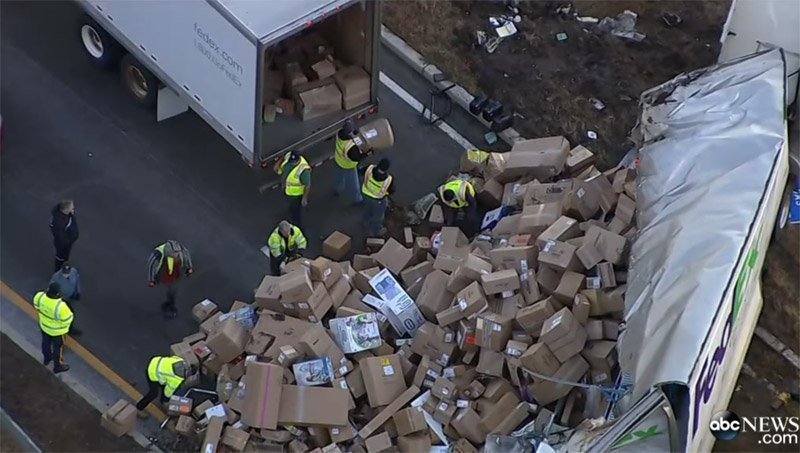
(171, 292)
(53, 350)
(275, 265)
(373, 213)
(154, 390)
(62, 254)
(296, 211)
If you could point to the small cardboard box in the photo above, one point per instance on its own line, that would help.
(491, 418)
(295, 287)
(601, 355)
(545, 392)
(414, 443)
(467, 423)
(213, 434)
(536, 218)
(356, 333)
(469, 301)
(432, 341)
(621, 177)
(491, 363)
(383, 379)
(336, 246)
(263, 382)
(560, 256)
(610, 245)
(394, 256)
(588, 255)
(493, 330)
(513, 419)
(422, 246)
(533, 317)
(410, 275)
(568, 287)
(204, 309)
(538, 193)
(318, 101)
(325, 271)
(339, 292)
(120, 418)
(375, 135)
(378, 443)
(323, 69)
(606, 273)
(625, 210)
(470, 270)
(210, 325)
(315, 342)
(562, 229)
(581, 308)
(444, 412)
(361, 262)
(540, 359)
(228, 341)
(354, 83)
(444, 389)
(578, 159)
(529, 287)
(268, 293)
(185, 425)
(500, 281)
(409, 420)
(341, 434)
(235, 438)
(434, 296)
(387, 412)
(491, 194)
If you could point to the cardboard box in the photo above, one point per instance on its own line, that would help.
(434, 296)
(463, 446)
(383, 379)
(533, 317)
(213, 434)
(529, 287)
(295, 287)
(560, 256)
(562, 229)
(422, 246)
(414, 443)
(468, 301)
(538, 358)
(621, 177)
(606, 273)
(581, 308)
(594, 329)
(185, 425)
(325, 271)
(293, 76)
(375, 135)
(491, 363)
(211, 324)
(491, 194)
(513, 193)
(339, 292)
(444, 389)
(610, 329)
(540, 158)
(203, 310)
(235, 438)
(625, 210)
(336, 246)
(588, 255)
(361, 262)
(546, 392)
(354, 83)
(518, 258)
(362, 278)
(579, 158)
(444, 412)
(493, 330)
(317, 306)
(611, 246)
(394, 256)
(318, 101)
(536, 218)
(263, 383)
(512, 420)
(470, 270)
(431, 340)
(268, 293)
(178, 405)
(491, 419)
(228, 341)
(500, 281)
(541, 193)
(515, 348)
(467, 423)
(395, 303)
(315, 342)
(568, 287)
(495, 164)
(304, 406)
(557, 326)
(120, 418)
(601, 355)
(388, 411)
(418, 272)
(409, 420)
(323, 69)
(313, 372)
(379, 442)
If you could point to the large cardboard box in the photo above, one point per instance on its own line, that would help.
(388, 412)
(499, 411)
(533, 317)
(538, 358)
(308, 406)
(120, 418)
(263, 383)
(354, 83)
(356, 333)
(545, 392)
(409, 420)
(601, 355)
(228, 341)
(536, 218)
(500, 281)
(383, 379)
(432, 341)
(518, 258)
(213, 434)
(375, 135)
(562, 229)
(611, 246)
(325, 271)
(540, 158)
(295, 287)
(467, 423)
(316, 342)
(336, 246)
(542, 193)
(470, 270)
(560, 256)
(414, 273)
(394, 256)
(268, 293)
(318, 101)
(203, 310)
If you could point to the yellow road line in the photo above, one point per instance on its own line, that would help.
(83, 353)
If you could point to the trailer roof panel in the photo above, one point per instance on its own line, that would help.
(264, 18)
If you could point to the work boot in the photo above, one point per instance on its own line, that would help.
(47, 362)
(60, 368)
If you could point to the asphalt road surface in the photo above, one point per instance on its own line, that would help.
(72, 131)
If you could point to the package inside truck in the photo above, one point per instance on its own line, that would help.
(316, 77)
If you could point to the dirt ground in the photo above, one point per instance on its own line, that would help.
(550, 82)
(56, 418)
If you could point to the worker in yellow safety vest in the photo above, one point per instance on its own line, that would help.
(347, 155)
(455, 196)
(167, 265)
(296, 175)
(55, 319)
(285, 242)
(377, 187)
(164, 376)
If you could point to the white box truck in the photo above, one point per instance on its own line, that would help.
(713, 164)
(226, 60)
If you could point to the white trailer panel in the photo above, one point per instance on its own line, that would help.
(202, 54)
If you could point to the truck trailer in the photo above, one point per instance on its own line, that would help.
(267, 76)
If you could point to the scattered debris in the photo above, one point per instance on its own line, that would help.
(592, 135)
(490, 137)
(423, 206)
(517, 19)
(671, 19)
(492, 44)
(588, 19)
(561, 36)
(480, 38)
(506, 30)
(597, 104)
(624, 26)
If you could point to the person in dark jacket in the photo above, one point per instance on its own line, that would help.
(166, 266)
(68, 280)
(64, 227)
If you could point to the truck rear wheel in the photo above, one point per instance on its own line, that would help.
(103, 50)
(139, 81)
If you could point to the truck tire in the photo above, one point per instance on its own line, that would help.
(139, 81)
(103, 50)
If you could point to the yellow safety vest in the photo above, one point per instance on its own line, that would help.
(460, 187)
(373, 188)
(340, 156)
(55, 317)
(277, 244)
(160, 370)
(292, 186)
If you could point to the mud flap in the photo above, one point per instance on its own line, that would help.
(169, 104)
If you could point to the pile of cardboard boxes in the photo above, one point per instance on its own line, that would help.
(309, 82)
(433, 341)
